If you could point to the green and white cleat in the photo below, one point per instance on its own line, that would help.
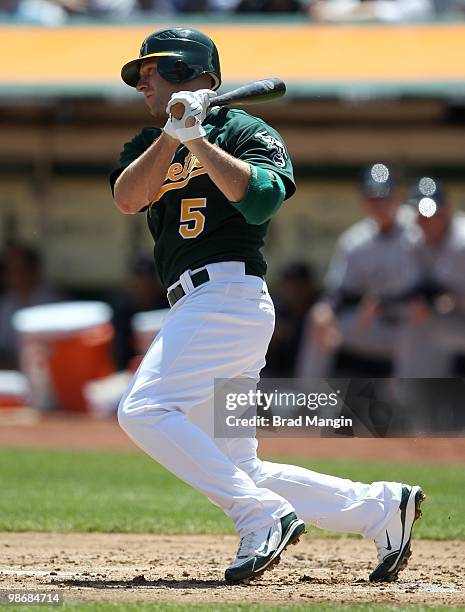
(393, 543)
(260, 550)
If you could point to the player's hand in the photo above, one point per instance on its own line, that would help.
(188, 125)
(369, 310)
(324, 328)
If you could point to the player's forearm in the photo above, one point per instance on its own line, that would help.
(229, 174)
(140, 182)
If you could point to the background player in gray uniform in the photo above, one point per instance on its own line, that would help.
(435, 329)
(210, 181)
(372, 259)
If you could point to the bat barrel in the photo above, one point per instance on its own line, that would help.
(264, 90)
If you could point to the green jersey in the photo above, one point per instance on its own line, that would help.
(191, 221)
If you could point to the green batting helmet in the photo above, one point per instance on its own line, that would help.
(183, 54)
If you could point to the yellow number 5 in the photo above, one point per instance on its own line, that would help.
(192, 221)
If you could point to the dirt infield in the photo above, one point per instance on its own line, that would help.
(187, 568)
(71, 431)
(149, 568)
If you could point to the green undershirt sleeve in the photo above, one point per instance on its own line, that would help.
(265, 194)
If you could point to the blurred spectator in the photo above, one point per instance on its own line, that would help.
(143, 292)
(449, 8)
(115, 9)
(435, 330)
(221, 6)
(23, 287)
(372, 259)
(40, 12)
(56, 12)
(296, 292)
(190, 6)
(370, 10)
(269, 6)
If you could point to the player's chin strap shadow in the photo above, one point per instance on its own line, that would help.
(141, 581)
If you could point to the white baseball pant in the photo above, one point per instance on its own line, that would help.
(222, 329)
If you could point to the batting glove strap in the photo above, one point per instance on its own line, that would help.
(191, 133)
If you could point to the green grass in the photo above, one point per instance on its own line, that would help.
(128, 492)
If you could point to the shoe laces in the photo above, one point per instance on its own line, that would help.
(247, 545)
(381, 553)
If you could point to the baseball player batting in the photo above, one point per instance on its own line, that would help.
(209, 182)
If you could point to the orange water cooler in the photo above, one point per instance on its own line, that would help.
(63, 346)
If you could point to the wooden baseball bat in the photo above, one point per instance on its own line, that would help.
(256, 92)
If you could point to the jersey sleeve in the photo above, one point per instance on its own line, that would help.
(252, 140)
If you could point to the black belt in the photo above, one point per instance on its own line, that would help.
(198, 278)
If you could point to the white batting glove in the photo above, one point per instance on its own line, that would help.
(195, 104)
(170, 130)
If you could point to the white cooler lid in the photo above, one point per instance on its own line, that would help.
(61, 318)
(149, 321)
(13, 383)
